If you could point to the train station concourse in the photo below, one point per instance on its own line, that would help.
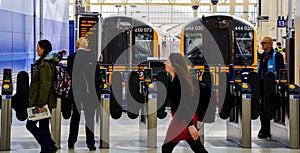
(149, 76)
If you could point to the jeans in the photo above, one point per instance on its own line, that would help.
(41, 133)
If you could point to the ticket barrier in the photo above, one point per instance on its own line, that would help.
(148, 117)
(205, 109)
(104, 109)
(56, 124)
(285, 126)
(239, 121)
(6, 112)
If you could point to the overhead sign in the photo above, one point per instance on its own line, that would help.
(89, 29)
(281, 23)
(263, 18)
(86, 26)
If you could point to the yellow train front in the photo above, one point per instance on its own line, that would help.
(129, 45)
(220, 45)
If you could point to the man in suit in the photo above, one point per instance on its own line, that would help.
(81, 67)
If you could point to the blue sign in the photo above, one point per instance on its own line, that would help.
(280, 23)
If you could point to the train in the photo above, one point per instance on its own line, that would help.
(220, 46)
(219, 39)
(127, 40)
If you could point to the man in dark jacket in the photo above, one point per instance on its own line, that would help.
(269, 61)
(81, 68)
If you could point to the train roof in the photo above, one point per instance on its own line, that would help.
(128, 21)
(237, 20)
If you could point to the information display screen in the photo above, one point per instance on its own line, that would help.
(148, 75)
(88, 28)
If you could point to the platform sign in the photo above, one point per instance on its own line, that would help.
(281, 23)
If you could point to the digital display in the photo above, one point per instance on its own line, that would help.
(283, 76)
(148, 75)
(88, 28)
(193, 73)
(238, 76)
(7, 82)
(102, 74)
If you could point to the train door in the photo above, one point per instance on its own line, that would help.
(219, 37)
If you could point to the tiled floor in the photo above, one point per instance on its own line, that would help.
(125, 139)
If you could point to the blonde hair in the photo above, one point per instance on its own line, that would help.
(82, 43)
(77, 43)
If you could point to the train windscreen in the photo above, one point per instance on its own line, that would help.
(193, 46)
(142, 43)
(243, 54)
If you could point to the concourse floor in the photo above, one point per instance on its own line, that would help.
(124, 138)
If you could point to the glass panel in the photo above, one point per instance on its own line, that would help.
(143, 46)
(193, 44)
(243, 47)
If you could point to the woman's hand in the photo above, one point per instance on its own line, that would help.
(41, 109)
(194, 132)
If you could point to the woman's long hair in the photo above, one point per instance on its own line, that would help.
(180, 66)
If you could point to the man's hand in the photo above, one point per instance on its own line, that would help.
(194, 132)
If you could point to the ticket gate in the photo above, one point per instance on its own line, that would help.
(19, 102)
(6, 112)
(205, 109)
(148, 117)
(285, 126)
(243, 95)
(104, 108)
(239, 122)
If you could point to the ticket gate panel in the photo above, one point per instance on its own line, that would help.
(20, 100)
(287, 132)
(162, 82)
(134, 98)
(205, 97)
(56, 124)
(228, 100)
(239, 128)
(270, 97)
(253, 81)
(116, 96)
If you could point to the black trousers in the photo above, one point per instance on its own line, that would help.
(74, 126)
(264, 121)
(195, 145)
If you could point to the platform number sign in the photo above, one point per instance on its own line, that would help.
(281, 23)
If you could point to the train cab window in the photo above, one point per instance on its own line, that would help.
(243, 54)
(194, 48)
(143, 45)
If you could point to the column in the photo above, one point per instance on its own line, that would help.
(232, 7)
(245, 9)
(297, 45)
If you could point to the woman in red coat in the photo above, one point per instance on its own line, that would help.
(183, 99)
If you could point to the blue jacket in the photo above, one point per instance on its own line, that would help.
(272, 64)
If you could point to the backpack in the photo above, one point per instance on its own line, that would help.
(62, 82)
